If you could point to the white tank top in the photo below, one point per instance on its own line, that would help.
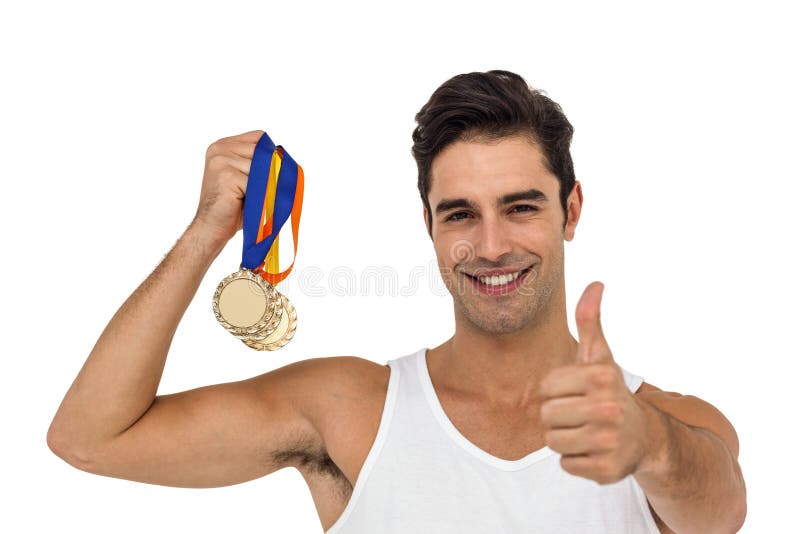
(423, 476)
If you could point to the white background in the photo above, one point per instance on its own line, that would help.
(686, 123)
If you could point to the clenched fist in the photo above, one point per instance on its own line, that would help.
(221, 207)
(589, 414)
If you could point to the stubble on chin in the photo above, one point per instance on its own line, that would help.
(523, 309)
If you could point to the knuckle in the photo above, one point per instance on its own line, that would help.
(212, 149)
(587, 315)
(608, 440)
(601, 376)
(609, 411)
(216, 160)
(606, 471)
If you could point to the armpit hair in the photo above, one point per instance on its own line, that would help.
(312, 459)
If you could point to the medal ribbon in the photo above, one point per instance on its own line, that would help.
(274, 192)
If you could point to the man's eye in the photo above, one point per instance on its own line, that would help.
(454, 216)
(529, 208)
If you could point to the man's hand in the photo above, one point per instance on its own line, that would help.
(589, 414)
(221, 207)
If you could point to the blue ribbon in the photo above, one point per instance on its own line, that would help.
(253, 253)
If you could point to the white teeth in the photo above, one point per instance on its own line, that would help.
(499, 280)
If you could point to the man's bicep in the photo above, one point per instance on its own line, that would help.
(215, 435)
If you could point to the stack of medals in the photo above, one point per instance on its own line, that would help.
(246, 303)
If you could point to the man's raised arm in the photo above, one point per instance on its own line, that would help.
(111, 422)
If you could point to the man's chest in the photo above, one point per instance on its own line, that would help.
(352, 428)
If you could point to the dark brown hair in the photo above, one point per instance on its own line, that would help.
(489, 106)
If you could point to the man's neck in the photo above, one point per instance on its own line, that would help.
(505, 369)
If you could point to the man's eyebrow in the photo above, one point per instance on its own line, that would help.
(534, 195)
(448, 204)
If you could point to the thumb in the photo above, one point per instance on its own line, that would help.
(592, 345)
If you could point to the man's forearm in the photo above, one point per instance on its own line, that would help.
(691, 478)
(119, 380)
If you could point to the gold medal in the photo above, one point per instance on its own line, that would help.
(281, 335)
(246, 302)
(247, 305)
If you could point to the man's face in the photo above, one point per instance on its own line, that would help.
(496, 207)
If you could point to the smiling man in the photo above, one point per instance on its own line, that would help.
(511, 425)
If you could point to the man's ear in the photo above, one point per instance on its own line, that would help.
(574, 205)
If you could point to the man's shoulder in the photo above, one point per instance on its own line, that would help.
(319, 387)
(335, 367)
(338, 384)
(344, 371)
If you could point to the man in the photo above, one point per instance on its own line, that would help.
(511, 425)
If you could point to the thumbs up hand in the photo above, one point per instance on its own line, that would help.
(588, 413)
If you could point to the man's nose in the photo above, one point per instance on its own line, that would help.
(494, 240)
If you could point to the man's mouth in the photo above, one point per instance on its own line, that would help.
(493, 285)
